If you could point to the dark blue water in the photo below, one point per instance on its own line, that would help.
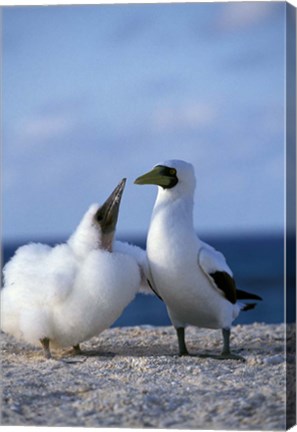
(257, 264)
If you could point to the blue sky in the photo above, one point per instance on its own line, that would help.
(92, 94)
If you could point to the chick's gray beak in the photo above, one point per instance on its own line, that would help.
(107, 215)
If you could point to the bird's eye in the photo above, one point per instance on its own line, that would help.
(172, 171)
(99, 216)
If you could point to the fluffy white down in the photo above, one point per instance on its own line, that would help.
(86, 237)
(141, 258)
(68, 293)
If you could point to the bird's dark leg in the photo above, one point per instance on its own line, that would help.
(226, 353)
(226, 341)
(76, 349)
(45, 342)
(181, 341)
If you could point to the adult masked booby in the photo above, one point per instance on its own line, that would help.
(64, 295)
(192, 277)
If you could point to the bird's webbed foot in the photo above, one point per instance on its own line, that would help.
(45, 342)
(225, 355)
(76, 350)
(230, 356)
(183, 353)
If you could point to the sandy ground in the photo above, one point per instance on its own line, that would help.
(132, 377)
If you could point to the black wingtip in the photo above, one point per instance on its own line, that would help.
(249, 306)
(255, 297)
(243, 295)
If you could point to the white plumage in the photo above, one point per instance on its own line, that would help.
(73, 291)
(183, 268)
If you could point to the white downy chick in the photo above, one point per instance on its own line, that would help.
(64, 295)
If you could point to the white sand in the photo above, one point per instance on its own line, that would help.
(132, 377)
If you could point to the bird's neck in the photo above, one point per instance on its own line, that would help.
(84, 240)
(107, 241)
(176, 207)
(172, 230)
(174, 212)
(87, 238)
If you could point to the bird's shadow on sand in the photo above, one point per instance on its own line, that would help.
(109, 351)
(164, 350)
(124, 352)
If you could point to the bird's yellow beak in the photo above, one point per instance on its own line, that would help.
(159, 175)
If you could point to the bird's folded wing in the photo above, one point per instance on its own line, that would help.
(215, 267)
(140, 257)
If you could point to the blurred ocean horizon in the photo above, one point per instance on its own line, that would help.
(257, 262)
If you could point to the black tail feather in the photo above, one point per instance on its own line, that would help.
(249, 306)
(243, 295)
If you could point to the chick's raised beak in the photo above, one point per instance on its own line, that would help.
(107, 215)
